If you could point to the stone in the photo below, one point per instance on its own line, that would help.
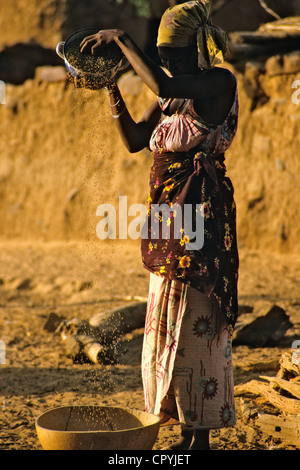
(265, 330)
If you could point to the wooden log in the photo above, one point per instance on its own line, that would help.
(277, 37)
(82, 349)
(289, 366)
(253, 387)
(292, 388)
(245, 52)
(258, 388)
(72, 347)
(249, 412)
(268, 9)
(258, 38)
(289, 26)
(68, 327)
(99, 340)
(99, 354)
(286, 428)
(93, 351)
(275, 32)
(110, 325)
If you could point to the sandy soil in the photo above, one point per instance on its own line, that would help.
(79, 279)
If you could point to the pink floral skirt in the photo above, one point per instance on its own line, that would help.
(186, 359)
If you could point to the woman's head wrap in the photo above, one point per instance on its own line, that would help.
(189, 22)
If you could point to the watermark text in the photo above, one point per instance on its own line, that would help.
(2, 92)
(2, 352)
(296, 93)
(296, 354)
(187, 223)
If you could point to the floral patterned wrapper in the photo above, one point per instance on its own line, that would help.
(192, 175)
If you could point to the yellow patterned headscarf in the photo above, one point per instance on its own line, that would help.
(182, 24)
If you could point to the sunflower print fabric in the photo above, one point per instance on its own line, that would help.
(187, 358)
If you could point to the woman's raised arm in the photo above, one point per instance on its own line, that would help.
(135, 135)
(184, 85)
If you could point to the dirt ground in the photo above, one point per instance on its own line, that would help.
(79, 279)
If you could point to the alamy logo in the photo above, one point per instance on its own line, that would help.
(295, 355)
(162, 215)
(2, 352)
(296, 94)
(2, 92)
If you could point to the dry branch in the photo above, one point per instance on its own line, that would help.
(285, 428)
(268, 9)
(283, 393)
(277, 37)
(289, 367)
(257, 388)
(292, 388)
(100, 340)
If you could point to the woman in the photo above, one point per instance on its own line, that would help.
(192, 306)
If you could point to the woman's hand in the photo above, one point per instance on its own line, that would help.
(146, 68)
(102, 38)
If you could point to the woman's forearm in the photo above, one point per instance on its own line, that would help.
(135, 135)
(124, 122)
(150, 72)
